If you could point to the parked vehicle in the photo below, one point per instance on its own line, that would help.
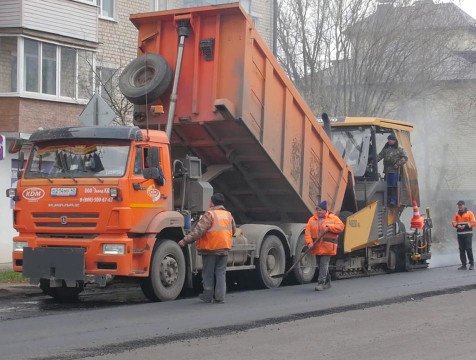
(91, 204)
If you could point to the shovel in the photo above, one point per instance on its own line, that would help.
(299, 260)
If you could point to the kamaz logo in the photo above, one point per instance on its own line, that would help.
(64, 220)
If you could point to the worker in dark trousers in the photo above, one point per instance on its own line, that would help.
(327, 223)
(394, 157)
(213, 233)
(464, 222)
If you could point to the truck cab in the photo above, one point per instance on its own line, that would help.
(91, 201)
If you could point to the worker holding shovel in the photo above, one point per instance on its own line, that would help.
(326, 227)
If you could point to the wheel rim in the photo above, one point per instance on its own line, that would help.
(305, 264)
(143, 76)
(273, 262)
(169, 271)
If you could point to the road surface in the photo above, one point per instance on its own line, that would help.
(354, 306)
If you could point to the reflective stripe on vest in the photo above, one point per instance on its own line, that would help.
(331, 240)
(220, 235)
(317, 231)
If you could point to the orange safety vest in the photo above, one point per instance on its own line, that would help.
(328, 244)
(220, 234)
(466, 219)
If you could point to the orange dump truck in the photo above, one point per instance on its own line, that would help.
(91, 203)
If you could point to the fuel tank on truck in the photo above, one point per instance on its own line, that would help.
(237, 107)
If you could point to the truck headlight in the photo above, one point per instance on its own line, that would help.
(12, 194)
(19, 245)
(113, 249)
(114, 192)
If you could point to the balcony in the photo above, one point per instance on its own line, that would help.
(72, 19)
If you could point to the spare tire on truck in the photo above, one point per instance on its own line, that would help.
(145, 78)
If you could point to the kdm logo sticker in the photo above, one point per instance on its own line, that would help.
(33, 194)
(153, 193)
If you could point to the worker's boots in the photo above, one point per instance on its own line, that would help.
(471, 266)
(327, 284)
(320, 286)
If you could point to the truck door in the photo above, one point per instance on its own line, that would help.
(149, 196)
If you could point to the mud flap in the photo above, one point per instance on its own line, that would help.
(55, 264)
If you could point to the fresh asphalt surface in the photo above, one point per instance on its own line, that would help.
(79, 333)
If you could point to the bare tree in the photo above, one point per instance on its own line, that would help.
(363, 57)
(404, 59)
(104, 80)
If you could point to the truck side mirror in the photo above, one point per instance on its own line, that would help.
(15, 146)
(151, 173)
(153, 157)
(21, 160)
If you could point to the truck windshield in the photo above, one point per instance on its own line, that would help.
(353, 145)
(82, 160)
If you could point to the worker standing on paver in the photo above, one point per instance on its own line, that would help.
(213, 233)
(464, 222)
(324, 223)
(394, 156)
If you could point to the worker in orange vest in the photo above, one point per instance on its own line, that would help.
(327, 223)
(213, 233)
(464, 222)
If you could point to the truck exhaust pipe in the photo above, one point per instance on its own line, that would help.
(327, 125)
(183, 31)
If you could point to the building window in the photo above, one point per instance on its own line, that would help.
(68, 72)
(106, 8)
(85, 74)
(48, 70)
(8, 64)
(31, 65)
(104, 81)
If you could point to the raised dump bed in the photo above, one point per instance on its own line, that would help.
(236, 106)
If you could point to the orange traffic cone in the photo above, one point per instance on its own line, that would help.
(417, 221)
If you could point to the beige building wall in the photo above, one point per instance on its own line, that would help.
(261, 13)
(118, 39)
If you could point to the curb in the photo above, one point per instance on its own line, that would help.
(12, 290)
(6, 266)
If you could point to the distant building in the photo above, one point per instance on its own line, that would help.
(445, 108)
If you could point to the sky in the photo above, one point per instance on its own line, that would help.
(467, 5)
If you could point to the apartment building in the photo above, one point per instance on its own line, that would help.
(55, 54)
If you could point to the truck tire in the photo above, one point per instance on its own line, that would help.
(304, 273)
(272, 261)
(167, 272)
(61, 294)
(146, 77)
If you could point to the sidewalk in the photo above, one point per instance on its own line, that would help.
(13, 290)
(6, 266)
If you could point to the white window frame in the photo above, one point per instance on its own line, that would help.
(98, 3)
(21, 92)
(101, 16)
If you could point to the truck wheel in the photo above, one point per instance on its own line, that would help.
(272, 261)
(147, 76)
(61, 294)
(167, 272)
(304, 273)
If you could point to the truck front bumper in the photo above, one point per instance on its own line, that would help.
(54, 263)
